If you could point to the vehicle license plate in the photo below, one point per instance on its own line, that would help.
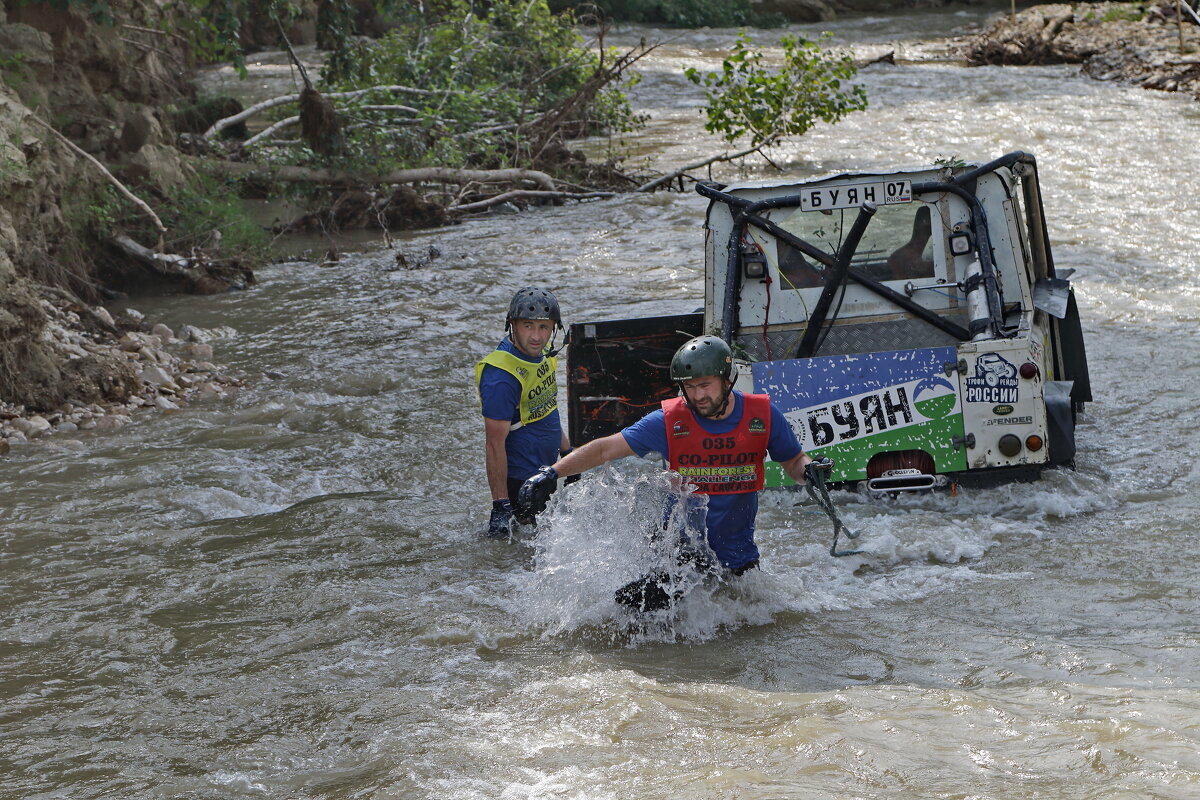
(853, 195)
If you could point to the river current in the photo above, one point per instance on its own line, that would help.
(286, 594)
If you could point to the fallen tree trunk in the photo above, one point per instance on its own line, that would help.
(266, 105)
(194, 275)
(293, 174)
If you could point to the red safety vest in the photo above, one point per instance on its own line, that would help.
(727, 463)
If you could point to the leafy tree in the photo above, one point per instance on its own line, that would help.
(747, 99)
(490, 74)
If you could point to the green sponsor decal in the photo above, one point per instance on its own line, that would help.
(850, 458)
(937, 407)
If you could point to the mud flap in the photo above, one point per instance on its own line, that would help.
(1060, 418)
(1074, 357)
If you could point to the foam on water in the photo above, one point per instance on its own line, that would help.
(607, 530)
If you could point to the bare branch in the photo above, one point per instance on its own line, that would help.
(526, 194)
(670, 176)
(267, 132)
(258, 108)
(139, 202)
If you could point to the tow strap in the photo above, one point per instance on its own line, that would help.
(820, 495)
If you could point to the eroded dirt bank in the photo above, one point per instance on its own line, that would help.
(1130, 42)
(76, 99)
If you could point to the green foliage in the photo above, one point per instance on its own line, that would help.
(191, 213)
(12, 70)
(92, 212)
(213, 30)
(488, 69)
(748, 99)
(1129, 12)
(197, 211)
(951, 161)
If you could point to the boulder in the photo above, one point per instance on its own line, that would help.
(159, 378)
(157, 165)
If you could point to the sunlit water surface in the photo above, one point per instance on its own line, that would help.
(286, 593)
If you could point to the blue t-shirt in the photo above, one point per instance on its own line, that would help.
(531, 445)
(730, 520)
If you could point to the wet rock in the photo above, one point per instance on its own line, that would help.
(199, 351)
(134, 341)
(163, 404)
(190, 333)
(163, 332)
(31, 426)
(111, 422)
(4, 446)
(159, 378)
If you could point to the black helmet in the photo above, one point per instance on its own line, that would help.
(701, 357)
(533, 302)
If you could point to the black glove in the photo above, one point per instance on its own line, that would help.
(567, 481)
(817, 470)
(537, 490)
(502, 517)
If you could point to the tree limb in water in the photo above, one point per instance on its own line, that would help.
(670, 176)
(525, 194)
(197, 275)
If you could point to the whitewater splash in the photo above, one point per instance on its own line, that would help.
(610, 528)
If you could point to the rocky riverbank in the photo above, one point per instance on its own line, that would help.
(146, 368)
(1136, 43)
(84, 111)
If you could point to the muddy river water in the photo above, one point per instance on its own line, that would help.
(285, 593)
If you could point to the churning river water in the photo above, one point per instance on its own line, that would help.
(286, 594)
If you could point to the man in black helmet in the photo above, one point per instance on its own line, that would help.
(519, 396)
(715, 437)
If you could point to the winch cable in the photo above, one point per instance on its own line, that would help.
(820, 496)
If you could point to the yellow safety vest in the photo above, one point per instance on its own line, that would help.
(539, 390)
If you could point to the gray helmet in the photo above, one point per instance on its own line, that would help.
(533, 302)
(701, 357)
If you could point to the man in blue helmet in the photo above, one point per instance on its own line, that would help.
(716, 438)
(519, 395)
